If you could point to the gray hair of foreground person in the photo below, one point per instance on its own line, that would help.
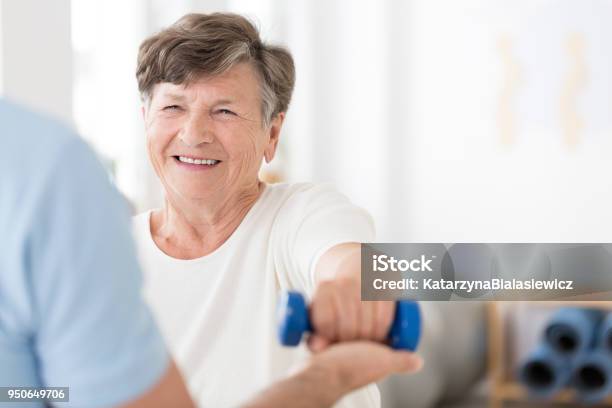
(200, 45)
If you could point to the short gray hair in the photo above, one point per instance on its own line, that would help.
(210, 44)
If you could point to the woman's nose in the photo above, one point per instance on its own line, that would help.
(197, 130)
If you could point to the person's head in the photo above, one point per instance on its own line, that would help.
(212, 90)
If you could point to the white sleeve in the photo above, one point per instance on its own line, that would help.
(313, 219)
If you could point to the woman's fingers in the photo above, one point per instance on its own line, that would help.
(317, 343)
(323, 314)
(359, 363)
(367, 320)
(385, 312)
(338, 314)
(348, 310)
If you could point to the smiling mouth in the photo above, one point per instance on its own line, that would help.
(200, 162)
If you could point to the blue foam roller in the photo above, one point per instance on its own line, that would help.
(605, 339)
(593, 376)
(293, 322)
(572, 331)
(545, 372)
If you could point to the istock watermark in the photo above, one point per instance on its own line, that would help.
(486, 271)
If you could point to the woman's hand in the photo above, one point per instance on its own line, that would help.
(355, 364)
(338, 314)
(329, 375)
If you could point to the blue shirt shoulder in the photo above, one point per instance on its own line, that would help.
(71, 311)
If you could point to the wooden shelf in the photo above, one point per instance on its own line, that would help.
(598, 304)
(516, 392)
(505, 389)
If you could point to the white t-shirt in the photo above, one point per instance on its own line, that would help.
(217, 313)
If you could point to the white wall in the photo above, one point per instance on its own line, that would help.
(397, 103)
(404, 106)
(36, 55)
(469, 185)
(1, 53)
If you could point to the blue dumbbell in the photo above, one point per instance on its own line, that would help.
(293, 321)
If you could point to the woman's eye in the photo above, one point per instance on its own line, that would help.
(171, 107)
(226, 112)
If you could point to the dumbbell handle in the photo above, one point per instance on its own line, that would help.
(293, 322)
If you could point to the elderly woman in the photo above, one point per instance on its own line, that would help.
(224, 243)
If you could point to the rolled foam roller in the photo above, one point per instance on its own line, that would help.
(605, 338)
(545, 372)
(593, 376)
(572, 331)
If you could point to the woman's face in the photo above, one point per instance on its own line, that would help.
(206, 140)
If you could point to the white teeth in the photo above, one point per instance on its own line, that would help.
(198, 161)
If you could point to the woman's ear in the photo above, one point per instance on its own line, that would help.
(274, 135)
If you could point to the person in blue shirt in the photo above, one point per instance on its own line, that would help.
(71, 312)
